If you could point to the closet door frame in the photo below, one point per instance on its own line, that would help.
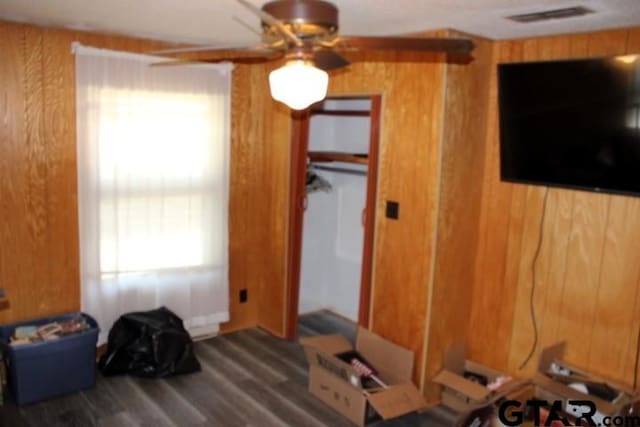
(297, 204)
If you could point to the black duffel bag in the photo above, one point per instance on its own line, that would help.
(150, 344)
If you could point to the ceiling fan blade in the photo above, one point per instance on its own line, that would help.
(194, 49)
(327, 60)
(273, 21)
(427, 44)
(238, 56)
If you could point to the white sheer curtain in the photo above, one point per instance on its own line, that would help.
(153, 183)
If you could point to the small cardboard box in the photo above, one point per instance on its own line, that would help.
(526, 394)
(555, 388)
(523, 395)
(339, 385)
(463, 395)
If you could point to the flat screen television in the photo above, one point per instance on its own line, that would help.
(573, 123)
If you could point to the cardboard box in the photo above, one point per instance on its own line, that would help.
(465, 396)
(524, 395)
(556, 387)
(339, 385)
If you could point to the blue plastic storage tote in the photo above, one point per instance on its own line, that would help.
(46, 369)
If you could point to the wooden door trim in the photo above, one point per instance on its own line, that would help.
(366, 275)
(297, 193)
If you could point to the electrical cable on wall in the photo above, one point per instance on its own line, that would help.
(532, 309)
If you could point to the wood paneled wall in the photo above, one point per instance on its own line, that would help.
(410, 142)
(258, 201)
(38, 228)
(434, 162)
(39, 260)
(587, 273)
(413, 98)
(463, 147)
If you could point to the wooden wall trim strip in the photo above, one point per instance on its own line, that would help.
(297, 199)
(433, 242)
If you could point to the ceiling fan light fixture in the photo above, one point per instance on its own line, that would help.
(298, 84)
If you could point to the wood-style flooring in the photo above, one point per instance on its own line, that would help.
(248, 378)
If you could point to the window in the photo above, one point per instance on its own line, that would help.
(158, 175)
(153, 161)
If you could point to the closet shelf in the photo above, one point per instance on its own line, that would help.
(349, 113)
(334, 156)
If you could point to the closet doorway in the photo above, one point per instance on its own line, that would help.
(334, 162)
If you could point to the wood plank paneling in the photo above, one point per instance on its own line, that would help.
(586, 272)
(35, 158)
(271, 198)
(260, 173)
(498, 235)
(16, 273)
(408, 169)
(524, 262)
(38, 176)
(618, 284)
(412, 91)
(39, 259)
(558, 231)
(463, 147)
(242, 254)
(58, 77)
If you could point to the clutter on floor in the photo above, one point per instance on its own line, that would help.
(50, 356)
(559, 394)
(29, 334)
(150, 344)
(469, 387)
(559, 380)
(367, 383)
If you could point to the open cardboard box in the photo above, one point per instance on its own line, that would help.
(551, 394)
(553, 388)
(465, 396)
(339, 385)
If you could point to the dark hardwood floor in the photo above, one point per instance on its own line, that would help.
(248, 378)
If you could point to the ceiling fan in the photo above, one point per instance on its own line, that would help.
(305, 34)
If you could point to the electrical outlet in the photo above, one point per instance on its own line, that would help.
(393, 210)
(243, 295)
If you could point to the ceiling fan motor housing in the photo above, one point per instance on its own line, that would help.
(305, 18)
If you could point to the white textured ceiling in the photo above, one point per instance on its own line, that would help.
(211, 21)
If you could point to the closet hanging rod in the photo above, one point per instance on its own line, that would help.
(339, 170)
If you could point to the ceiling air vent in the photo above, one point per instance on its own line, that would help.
(546, 15)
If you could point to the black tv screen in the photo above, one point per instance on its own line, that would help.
(571, 123)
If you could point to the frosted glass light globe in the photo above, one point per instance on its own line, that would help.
(298, 84)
